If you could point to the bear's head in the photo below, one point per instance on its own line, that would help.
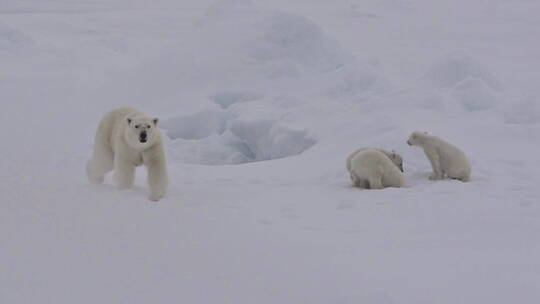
(141, 132)
(397, 160)
(416, 138)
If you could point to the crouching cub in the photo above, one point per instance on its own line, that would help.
(446, 159)
(127, 138)
(371, 168)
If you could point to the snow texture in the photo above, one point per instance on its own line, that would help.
(261, 102)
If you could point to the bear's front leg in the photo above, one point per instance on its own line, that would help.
(158, 180)
(435, 176)
(124, 172)
(375, 183)
(434, 159)
(354, 180)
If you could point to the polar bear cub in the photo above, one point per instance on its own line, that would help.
(126, 138)
(375, 169)
(446, 159)
(394, 157)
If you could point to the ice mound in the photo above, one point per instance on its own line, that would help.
(264, 74)
(474, 94)
(296, 41)
(269, 49)
(273, 42)
(237, 53)
(460, 83)
(457, 67)
(357, 84)
(258, 69)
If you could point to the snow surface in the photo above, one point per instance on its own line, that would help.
(262, 101)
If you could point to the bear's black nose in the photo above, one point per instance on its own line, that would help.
(143, 137)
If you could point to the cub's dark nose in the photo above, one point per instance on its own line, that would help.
(143, 137)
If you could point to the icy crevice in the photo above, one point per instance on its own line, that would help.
(234, 136)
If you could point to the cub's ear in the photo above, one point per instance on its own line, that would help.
(128, 121)
(155, 121)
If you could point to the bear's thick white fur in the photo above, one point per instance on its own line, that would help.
(126, 138)
(446, 159)
(394, 157)
(373, 169)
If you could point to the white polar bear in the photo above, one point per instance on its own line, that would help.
(374, 169)
(394, 157)
(446, 159)
(127, 138)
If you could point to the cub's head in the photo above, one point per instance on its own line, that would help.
(415, 138)
(397, 160)
(141, 132)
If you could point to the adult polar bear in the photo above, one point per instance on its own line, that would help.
(126, 138)
(446, 159)
(374, 169)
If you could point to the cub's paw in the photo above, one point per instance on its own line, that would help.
(96, 179)
(434, 176)
(124, 186)
(154, 197)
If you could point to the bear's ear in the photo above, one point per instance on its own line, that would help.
(128, 121)
(155, 121)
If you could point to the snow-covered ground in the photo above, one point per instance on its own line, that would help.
(262, 101)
